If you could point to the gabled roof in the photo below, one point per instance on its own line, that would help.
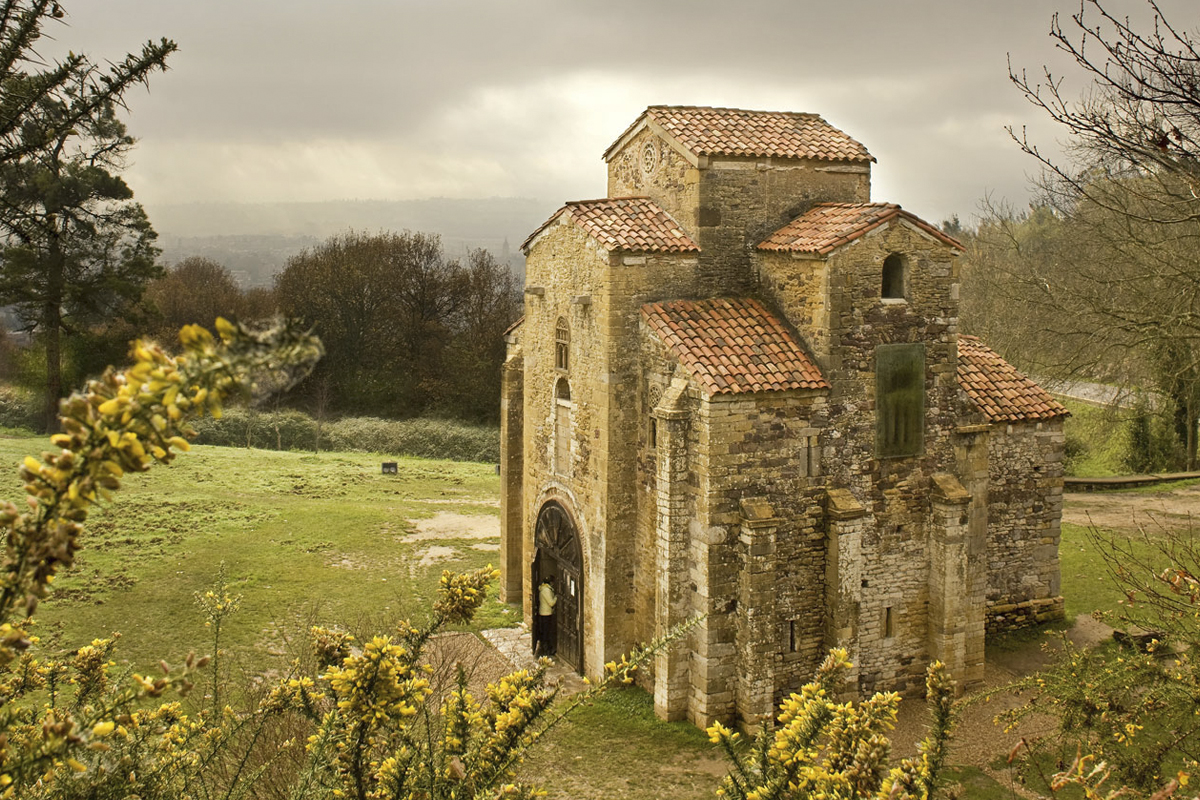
(996, 387)
(827, 226)
(626, 224)
(733, 345)
(705, 131)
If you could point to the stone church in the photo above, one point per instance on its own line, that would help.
(739, 391)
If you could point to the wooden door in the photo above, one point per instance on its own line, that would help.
(559, 557)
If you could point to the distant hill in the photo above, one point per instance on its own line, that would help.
(255, 240)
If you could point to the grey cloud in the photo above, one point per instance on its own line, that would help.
(923, 84)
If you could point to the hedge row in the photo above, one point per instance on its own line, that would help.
(293, 430)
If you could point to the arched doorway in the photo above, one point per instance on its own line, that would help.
(558, 557)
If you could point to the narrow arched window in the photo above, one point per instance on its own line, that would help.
(562, 344)
(893, 277)
(562, 426)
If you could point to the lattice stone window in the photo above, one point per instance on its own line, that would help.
(653, 398)
(899, 400)
(562, 344)
(893, 277)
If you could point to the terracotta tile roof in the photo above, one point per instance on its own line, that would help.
(733, 345)
(626, 224)
(1001, 392)
(827, 226)
(737, 132)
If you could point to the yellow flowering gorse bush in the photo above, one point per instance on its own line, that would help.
(62, 718)
(361, 720)
(822, 748)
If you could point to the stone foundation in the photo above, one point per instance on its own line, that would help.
(1014, 616)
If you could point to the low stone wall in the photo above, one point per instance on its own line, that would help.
(1014, 616)
(1117, 482)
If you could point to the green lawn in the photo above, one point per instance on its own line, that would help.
(305, 539)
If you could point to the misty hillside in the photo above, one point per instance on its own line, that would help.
(255, 240)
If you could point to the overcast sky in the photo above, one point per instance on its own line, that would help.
(277, 100)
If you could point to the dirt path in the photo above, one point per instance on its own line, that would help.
(978, 740)
(1130, 510)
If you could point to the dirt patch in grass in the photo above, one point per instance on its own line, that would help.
(432, 555)
(448, 525)
(1129, 510)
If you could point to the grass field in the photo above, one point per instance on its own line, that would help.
(327, 539)
(304, 539)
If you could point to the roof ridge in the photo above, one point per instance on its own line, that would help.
(821, 233)
(859, 204)
(609, 199)
(649, 229)
(748, 133)
(809, 114)
(733, 344)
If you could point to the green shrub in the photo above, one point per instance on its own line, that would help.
(1096, 440)
(1153, 445)
(19, 408)
(293, 430)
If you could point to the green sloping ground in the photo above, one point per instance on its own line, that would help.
(305, 539)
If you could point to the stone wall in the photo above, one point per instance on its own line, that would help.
(765, 448)
(1024, 515)
(600, 295)
(891, 637)
(512, 472)
(671, 179)
(743, 201)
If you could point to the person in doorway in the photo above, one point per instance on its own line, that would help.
(547, 640)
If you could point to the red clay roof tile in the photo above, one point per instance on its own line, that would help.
(628, 224)
(737, 132)
(997, 389)
(827, 226)
(721, 343)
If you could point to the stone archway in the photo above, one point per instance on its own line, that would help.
(559, 556)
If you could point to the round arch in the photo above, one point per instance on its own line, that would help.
(558, 556)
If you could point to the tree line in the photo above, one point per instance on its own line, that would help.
(1099, 279)
(407, 330)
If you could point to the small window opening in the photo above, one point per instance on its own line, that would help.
(889, 623)
(793, 640)
(562, 344)
(893, 277)
(562, 426)
(653, 435)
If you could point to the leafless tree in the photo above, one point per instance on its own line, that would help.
(1123, 285)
